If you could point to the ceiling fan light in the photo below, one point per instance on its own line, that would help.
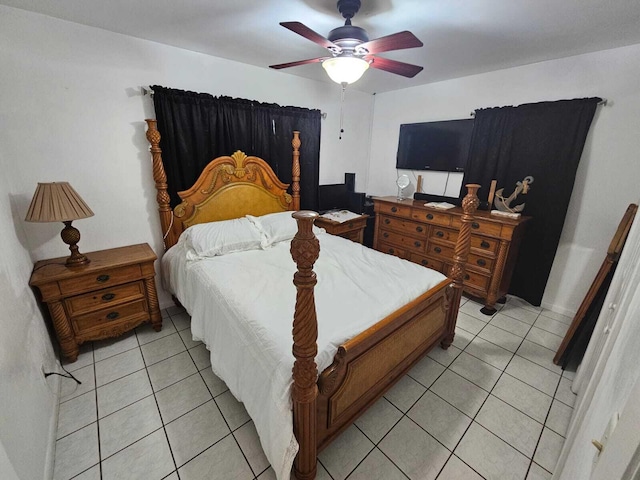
(345, 69)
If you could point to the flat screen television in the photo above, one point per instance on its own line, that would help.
(440, 146)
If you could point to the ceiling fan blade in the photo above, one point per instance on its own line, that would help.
(394, 66)
(396, 41)
(309, 34)
(299, 62)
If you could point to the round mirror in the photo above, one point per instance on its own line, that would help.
(402, 182)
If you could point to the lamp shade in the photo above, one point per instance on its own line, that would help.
(345, 69)
(57, 202)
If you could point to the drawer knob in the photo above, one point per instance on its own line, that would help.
(417, 244)
(392, 251)
(466, 277)
(112, 315)
(385, 235)
(429, 216)
(475, 225)
(394, 209)
(484, 244)
(419, 229)
(481, 262)
(108, 296)
(102, 278)
(437, 250)
(439, 234)
(387, 221)
(424, 262)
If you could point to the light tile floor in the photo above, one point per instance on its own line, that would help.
(492, 406)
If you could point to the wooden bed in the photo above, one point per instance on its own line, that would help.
(366, 366)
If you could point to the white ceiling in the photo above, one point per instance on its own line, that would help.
(461, 37)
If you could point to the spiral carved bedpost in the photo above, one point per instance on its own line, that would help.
(295, 170)
(469, 206)
(305, 249)
(162, 197)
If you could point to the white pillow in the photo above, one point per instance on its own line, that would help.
(278, 227)
(219, 238)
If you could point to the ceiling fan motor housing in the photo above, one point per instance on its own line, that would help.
(348, 8)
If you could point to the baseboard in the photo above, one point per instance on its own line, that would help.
(54, 381)
(559, 309)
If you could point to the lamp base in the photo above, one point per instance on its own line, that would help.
(71, 236)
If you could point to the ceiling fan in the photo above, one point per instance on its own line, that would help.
(351, 50)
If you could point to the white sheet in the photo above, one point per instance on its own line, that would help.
(242, 305)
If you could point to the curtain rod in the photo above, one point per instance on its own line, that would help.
(149, 91)
(601, 102)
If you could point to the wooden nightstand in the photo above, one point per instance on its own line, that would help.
(351, 229)
(113, 294)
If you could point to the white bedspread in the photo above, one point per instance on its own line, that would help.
(242, 305)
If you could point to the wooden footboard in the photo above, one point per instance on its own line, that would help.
(368, 365)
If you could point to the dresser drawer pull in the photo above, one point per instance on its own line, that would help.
(419, 229)
(466, 277)
(112, 315)
(387, 221)
(108, 296)
(103, 278)
(394, 209)
(439, 234)
(437, 250)
(484, 244)
(429, 216)
(391, 250)
(481, 262)
(424, 262)
(475, 225)
(385, 235)
(417, 244)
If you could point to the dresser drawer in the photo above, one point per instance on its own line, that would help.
(478, 261)
(88, 302)
(399, 239)
(392, 250)
(485, 244)
(436, 218)
(404, 226)
(445, 234)
(398, 210)
(427, 262)
(112, 315)
(473, 280)
(480, 226)
(440, 251)
(105, 278)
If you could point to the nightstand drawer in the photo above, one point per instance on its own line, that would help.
(89, 302)
(114, 314)
(103, 279)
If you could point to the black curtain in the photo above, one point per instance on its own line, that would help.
(198, 127)
(544, 140)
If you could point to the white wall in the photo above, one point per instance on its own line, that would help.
(71, 109)
(607, 177)
(75, 113)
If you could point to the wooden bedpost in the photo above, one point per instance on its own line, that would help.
(295, 170)
(305, 249)
(469, 206)
(162, 197)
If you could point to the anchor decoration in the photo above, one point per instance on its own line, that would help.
(504, 204)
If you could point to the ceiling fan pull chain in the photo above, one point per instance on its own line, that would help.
(344, 87)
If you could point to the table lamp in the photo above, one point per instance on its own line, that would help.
(59, 202)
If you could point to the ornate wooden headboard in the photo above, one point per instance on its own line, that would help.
(228, 187)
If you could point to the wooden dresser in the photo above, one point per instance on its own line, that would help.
(352, 229)
(427, 236)
(113, 294)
